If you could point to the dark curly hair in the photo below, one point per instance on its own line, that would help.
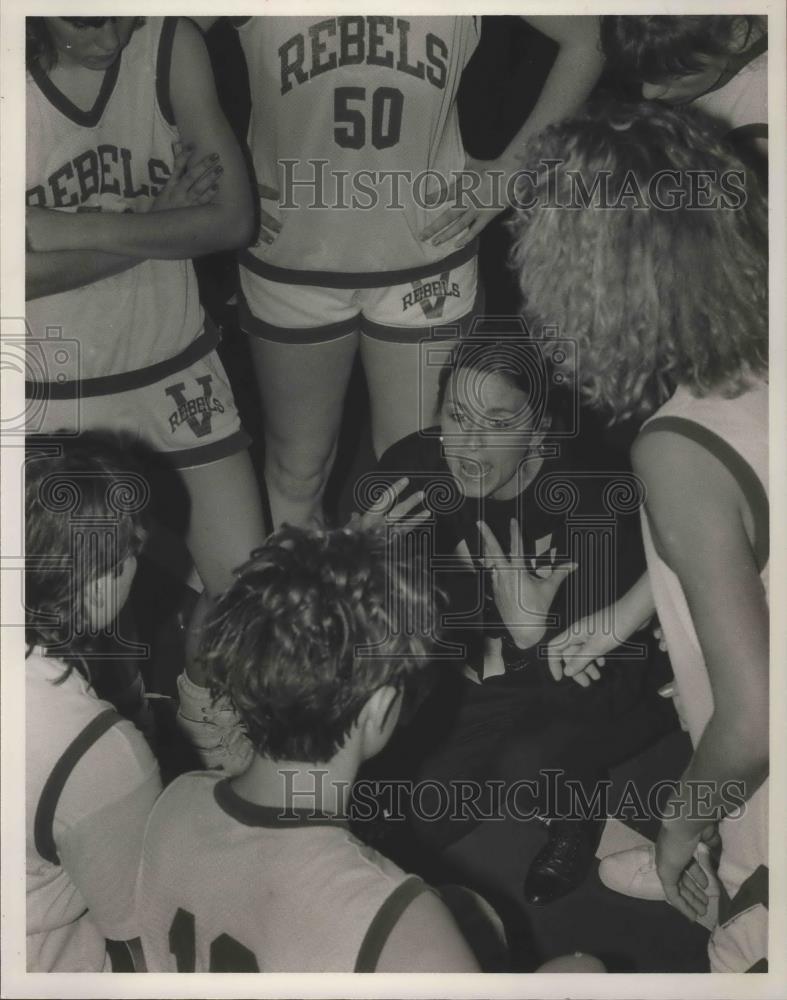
(652, 47)
(312, 625)
(85, 499)
(655, 296)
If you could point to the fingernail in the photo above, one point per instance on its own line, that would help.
(214, 156)
(219, 170)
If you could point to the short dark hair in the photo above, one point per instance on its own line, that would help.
(311, 626)
(523, 362)
(85, 501)
(652, 47)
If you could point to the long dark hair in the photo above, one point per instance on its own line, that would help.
(85, 500)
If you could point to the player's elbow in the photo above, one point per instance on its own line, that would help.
(746, 734)
(234, 226)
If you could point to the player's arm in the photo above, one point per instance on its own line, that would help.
(223, 223)
(100, 828)
(426, 939)
(574, 73)
(60, 271)
(695, 511)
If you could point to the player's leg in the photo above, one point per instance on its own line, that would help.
(225, 524)
(192, 420)
(407, 335)
(303, 353)
(302, 388)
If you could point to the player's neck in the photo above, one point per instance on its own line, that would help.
(319, 787)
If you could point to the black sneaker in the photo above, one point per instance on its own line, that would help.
(563, 863)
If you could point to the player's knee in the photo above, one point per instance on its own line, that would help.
(299, 478)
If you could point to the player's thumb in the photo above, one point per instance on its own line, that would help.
(559, 575)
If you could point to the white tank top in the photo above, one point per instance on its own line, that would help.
(226, 885)
(336, 101)
(736, 432)
(114, 158)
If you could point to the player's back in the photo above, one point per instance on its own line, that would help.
(230, 886)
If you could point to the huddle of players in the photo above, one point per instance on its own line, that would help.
(280, 645)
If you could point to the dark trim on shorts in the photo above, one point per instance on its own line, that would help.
(207, 454)
(740, 470)
(138, 378)
(164, 68)
(753, 891)
(354, 279)
(459, 327)
(757, 130)
(384, 922)
(256, 327)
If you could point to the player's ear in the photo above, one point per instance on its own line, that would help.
(378, 718)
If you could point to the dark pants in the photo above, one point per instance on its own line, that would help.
(522, 744)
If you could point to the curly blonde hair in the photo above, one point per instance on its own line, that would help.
(655, 296)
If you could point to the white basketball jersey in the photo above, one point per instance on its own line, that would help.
(353, 119)
(230, 886)
(114, 157)
(736, 432)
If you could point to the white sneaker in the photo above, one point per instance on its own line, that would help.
(633, 873)
(214, 730)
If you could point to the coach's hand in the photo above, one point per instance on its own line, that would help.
(389, 511)
(478, 196)
(269, 226)
(189, 184)
(523, 598)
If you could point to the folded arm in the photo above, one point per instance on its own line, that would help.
(176, 233)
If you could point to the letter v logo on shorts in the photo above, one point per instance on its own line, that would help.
(423, 292)
(197, 412)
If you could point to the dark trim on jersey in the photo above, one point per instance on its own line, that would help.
(43, 834)
(459, 327)
(271, 817)
(260, 328)
(385, 920)
(761, 966)
(736, 64)
(137, 378)
(756, 130)
(753, 891)
(240, 22)
(736, 465)
(206, 454)
(164, 69)
(355, 279)
(89, 118)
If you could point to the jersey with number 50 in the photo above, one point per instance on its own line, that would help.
(353, 121)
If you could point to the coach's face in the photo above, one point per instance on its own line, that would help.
(486, 423)
(90, 42)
